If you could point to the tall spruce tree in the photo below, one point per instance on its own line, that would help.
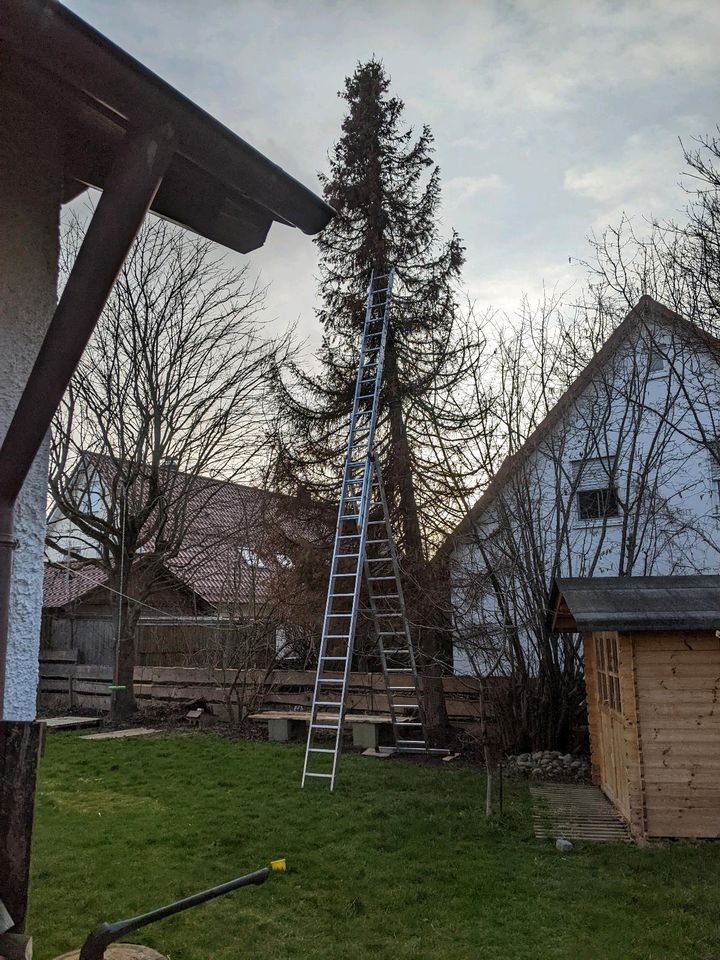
(385, 188)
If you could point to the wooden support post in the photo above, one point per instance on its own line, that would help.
(19, 753)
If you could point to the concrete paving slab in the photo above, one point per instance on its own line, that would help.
(120, 734)
(71, 723)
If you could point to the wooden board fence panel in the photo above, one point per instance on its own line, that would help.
(87, 685)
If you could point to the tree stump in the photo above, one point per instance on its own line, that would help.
(122, 951)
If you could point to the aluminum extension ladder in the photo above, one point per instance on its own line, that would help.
(364, 545)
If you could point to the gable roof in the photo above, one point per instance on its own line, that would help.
(646, 310)
(226, 518)
(636, 603)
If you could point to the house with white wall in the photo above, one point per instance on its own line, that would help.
(622, 478)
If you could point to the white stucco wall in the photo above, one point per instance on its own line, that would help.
(30, 185)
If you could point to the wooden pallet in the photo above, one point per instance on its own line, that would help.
(576, 812)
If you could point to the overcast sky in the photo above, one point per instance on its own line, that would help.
(550, 118)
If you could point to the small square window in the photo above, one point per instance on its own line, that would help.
(597, 504)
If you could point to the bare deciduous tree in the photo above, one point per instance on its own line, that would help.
(171, 389)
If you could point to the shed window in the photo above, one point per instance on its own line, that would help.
(608, 669)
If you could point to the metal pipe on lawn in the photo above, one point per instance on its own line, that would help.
(134, 178)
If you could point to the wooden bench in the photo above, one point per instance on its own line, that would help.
(368, 730)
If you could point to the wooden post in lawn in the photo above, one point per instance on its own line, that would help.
(19, 753)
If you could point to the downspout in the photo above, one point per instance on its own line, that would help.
(134, 178)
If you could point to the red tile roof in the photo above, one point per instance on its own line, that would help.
(235, 545)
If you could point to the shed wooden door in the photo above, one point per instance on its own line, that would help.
(611, 724)
(678, 686)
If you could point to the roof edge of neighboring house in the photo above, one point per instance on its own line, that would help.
(645, 310)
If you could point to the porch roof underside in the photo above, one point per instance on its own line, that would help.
(217, 185)
(636, 604)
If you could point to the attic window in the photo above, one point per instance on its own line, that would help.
(252, 559)
(597, 504)
(596, 492)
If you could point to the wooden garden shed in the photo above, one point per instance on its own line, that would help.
(652, 671)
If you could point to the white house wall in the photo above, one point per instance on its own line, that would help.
(30, 184)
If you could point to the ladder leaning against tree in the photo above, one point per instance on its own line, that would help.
(364, 544)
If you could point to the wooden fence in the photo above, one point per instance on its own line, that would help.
(68, 685)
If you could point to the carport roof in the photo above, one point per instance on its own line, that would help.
(636, 603)
(217, 185)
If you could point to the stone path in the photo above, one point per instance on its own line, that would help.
(576, 812)
(120, 734)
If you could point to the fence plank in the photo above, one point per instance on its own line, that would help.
(267, 689)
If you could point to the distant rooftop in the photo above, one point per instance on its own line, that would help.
(217, 185)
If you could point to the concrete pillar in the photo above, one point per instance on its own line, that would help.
(30, 197)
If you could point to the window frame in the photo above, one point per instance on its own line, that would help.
(607, 665)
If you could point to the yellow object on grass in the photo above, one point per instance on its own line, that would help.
(278, 865)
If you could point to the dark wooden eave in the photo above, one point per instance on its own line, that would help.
(216, 185)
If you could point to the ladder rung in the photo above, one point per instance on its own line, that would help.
(329, 680)
(340, 556)
(325, 726)
(320, 750)
(333, 615)
(407, 706)
(327, 703)
(334, 595)
(325, 776)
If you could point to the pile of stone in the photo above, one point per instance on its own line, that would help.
(549, 765)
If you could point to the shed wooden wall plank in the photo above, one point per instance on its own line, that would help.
(679, 692)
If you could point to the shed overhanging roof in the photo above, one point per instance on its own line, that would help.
(217, 185)
(636, 604)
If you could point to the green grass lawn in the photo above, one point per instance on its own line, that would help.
(399, 863)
